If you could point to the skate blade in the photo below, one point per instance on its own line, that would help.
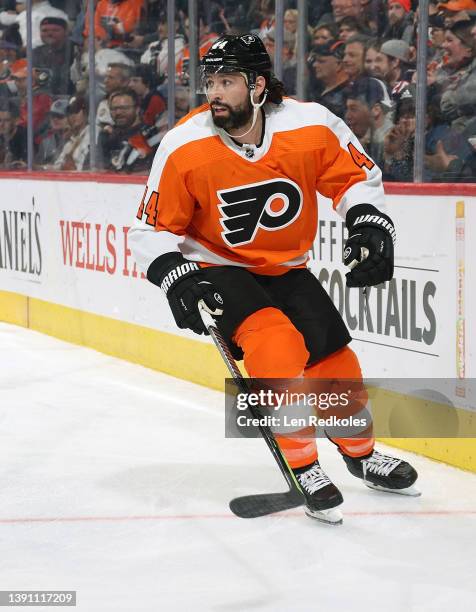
(332, 516)
(411, 491)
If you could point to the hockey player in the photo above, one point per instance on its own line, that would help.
(228, 217)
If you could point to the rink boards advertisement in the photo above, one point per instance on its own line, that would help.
(67, 243)
(66, 269)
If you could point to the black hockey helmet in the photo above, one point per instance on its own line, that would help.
(246, 54)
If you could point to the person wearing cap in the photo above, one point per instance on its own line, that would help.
(56, 136)
(13, 138)
(368, 114)
(400, 140)
(457, 10)
(9, 52)
(41, 100)
(435, 68)
(56, 54)
(74, 155)
(392, 63)
(400, 21)
(458, 102)
(329, 71)
(39, 10)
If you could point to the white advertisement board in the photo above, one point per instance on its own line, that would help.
(66, 242)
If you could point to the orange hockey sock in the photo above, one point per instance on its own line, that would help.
(341, 365)
(274, 348)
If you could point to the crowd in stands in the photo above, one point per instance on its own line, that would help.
(361, 64)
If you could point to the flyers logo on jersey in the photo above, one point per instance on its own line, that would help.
(269, 205)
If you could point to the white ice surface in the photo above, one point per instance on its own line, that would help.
(115, 482)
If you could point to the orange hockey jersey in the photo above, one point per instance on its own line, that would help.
(220, 203)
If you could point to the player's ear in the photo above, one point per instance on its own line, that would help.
(260, 86)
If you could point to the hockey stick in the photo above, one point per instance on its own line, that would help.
(252, 506)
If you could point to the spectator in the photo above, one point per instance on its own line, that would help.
(329, 71)
(115, 21)
(400, 21)
(458, 101)
(205, 41)
(8, 56)
(323, 34)
(102, 60)
(368, 115)
(354, 55)
(9, 52)
(41, 100)
(371, 54)
(151, 103)
(75, 153)
(448, 153)
(346, 8)
(56, 54)
(266, 14)
(399, 142)
(57, 134)
(117, 77)
(13, 138)
(448, 167)
(126, 146)
(182, 107)
(291, 21)
(392, 63)
(436, 70)
(157, 52)
(349, 27)
(289, 66)
(457, 10)
(39, 10)
(11, 34)
(437, 36)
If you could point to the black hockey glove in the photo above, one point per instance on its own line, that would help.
(185, 284)
(368, 251)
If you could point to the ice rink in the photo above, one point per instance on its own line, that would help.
(115, 482)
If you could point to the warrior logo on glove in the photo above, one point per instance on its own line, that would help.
(368, 251)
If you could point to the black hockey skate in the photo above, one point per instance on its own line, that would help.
(322, 496)
(384, 473)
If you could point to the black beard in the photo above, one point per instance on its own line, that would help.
(236, 118)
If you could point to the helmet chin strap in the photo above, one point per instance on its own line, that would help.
(256, 106)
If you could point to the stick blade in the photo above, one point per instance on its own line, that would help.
(253, 506)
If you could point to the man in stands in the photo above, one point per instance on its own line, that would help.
(368, 115)
(329, 71)
(127, 145)
(152, 104)
(354, 56)
(56, 54)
